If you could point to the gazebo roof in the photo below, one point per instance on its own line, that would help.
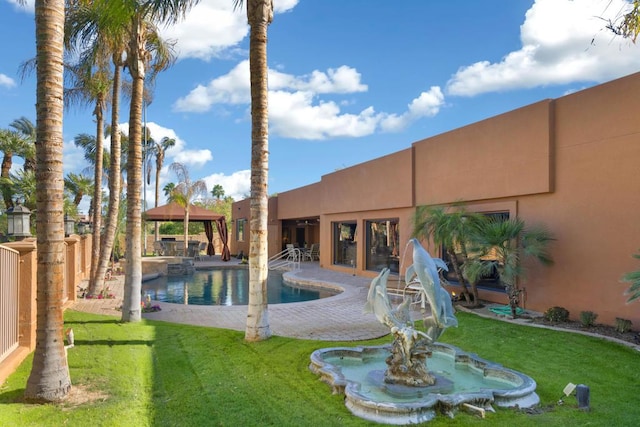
(175, 212)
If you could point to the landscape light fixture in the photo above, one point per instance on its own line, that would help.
(18, 223)
(69, 224)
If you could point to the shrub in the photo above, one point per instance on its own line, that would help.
(588, 318)
(557, 314)
(623, 325)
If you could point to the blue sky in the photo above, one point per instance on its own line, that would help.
(349, 81)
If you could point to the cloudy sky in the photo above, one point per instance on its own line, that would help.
(349, 81)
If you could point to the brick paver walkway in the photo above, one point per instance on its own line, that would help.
(336, 318)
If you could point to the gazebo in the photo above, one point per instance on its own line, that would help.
(175, 212)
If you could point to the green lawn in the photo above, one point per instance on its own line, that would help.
(162, 374)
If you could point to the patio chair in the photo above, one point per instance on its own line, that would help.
(158, 247)
(314, 253)
(201, 247)
(293, 253)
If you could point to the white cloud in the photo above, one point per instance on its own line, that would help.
(73, 158)
(563, 41)
(295, 109)
(236, 185)
(213, 27)
(179, 152)
(426, 105)
(6, 81)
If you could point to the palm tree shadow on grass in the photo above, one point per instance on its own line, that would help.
(12, 396)
(111, 343)
(87, 322)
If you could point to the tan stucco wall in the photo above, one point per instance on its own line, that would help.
(381, 183)
(570, 164)
(506, 155)
(300, 203)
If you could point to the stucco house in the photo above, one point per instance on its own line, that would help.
(571, 163)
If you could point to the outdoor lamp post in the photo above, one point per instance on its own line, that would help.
(82, 227)
(18, 224)
(69, 224)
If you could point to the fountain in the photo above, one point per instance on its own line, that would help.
(412, 379)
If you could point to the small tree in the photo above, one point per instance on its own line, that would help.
(503, 243)
(634, 279)
(184, 193)
(451, 229)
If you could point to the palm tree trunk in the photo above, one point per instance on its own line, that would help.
(461, 280)
(115, 178)
(186, 229)
(131, 311)
(49, 380)
(159, 160)
(97, 194)
(260, 15)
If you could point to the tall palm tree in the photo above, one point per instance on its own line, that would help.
(135, 23)
(146, 55)
(259, 16)
(49, 380)
(100, 39)
(184, 194)
(159, 149)
(507, 242)
(89, 82)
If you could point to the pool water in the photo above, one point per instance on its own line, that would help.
(228, 286)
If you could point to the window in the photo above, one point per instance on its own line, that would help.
(382, 245)
(240, 229)
(344, 243)
(491, 281)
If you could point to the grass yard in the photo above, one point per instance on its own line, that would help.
(163, 374)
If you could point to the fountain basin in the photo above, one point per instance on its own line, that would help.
(357, 372)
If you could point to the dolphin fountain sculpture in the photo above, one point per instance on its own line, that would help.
(425, 268)
(391, 383)
(407, 363)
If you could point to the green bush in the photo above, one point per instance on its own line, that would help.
(557, 314)
(588, 318)
(623, 325)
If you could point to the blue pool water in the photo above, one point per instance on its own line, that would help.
(228, 286)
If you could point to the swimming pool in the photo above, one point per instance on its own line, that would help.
(225, 286)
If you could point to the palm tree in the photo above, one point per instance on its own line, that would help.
(49, 380)
(101, 39)
(23, 184)
(159, 149)
(628, 25)
(89, 84)
(168, 190)
(506, 242)
(12, 143)
(27, 129)
(259, 15)
(135, 24)
(634, 279)
(217, 191)
(449, 229)
(185, 192)
(79, 186)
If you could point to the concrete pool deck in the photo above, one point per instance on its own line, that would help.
(336, 318)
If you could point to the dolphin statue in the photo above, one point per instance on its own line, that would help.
(426, 269)
(398, 320)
